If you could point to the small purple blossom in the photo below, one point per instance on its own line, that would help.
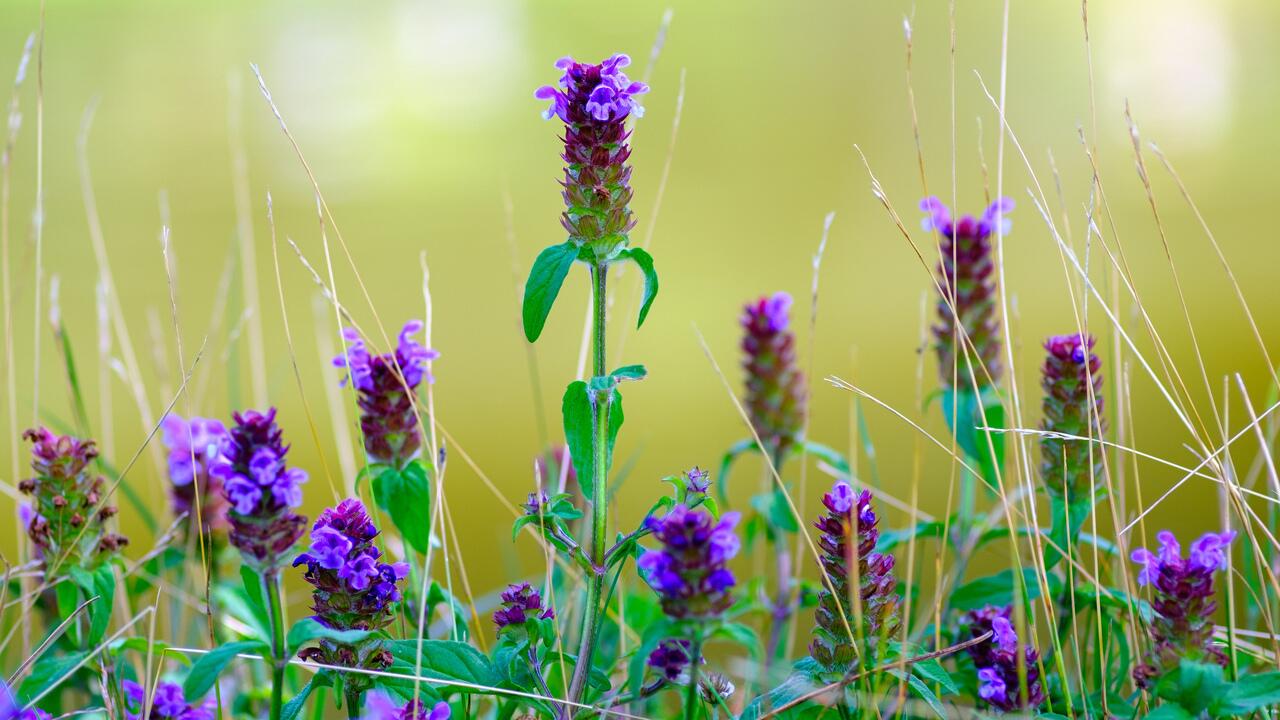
(848, 532)
(520, 603)
(387, 387)
(194, 448)
(689, 572)
(966, 270)
(697, 481)
(168, 703)
(1183, 601)
(11, 709)
(997, 661)
(378, 706)
(775, 387)
(671, 659)
(610, 94)
(262, 490)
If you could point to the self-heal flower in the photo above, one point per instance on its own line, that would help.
(520, 603)
(262, 491)
(386, 388)
(775, 388)
(849, 535)
(671, 660)
(64, 520)
(1183, 601)
(380, 707)
(353, 589)
(194, 448)
(1072, 382)
(697, 481)
(690, 572)
(11, 709)
(966, 271)
(594, 102)
(168, 703)
(996, 659)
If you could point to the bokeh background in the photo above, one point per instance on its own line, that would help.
(418, 121)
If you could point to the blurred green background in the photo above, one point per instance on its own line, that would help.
(418, 120)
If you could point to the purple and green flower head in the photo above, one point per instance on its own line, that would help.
(689, 570)
(1183, 598)
(386, 387)
(1073, 405)
(520, 604)
(378, 706)
(594, 102)
(671, 659)
(194, 448)
(966, 276)
(997, 662)
(262, 490)
(775, 387)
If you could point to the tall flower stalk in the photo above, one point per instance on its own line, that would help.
(594, 102)
(1072, 382)
(1002, 675)
(775, 401)
(263, 492)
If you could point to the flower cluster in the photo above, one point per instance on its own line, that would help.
(386, 386)
(195, 447)
(261, 489)
(65, 521)
(381, 707)
(849, 535)
(697, 482)
(690, 571)
(520, 603)
(671, 660)
(775, 386)
(1183, 600)
(594, 102)
(168, 703)
(997, 662)
(966, 270)
(352, 589)
(1072, 382)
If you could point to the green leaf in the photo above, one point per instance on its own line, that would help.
(969, 412)
(543, 285)
(204, 673)
(742, 635)
(67, 594)
(295, 705)
(644, 261)
(933, 671)
(996, 589)
(919, 687)
(1194, 686)
(1065, 530)
(629, 372)
(307, 629)
(828, 455)
(406, 496)
(1252, 692)
(101, 583)
(47, 672)
(576, 410)
(654, 633)
(1169, 711)
(798, 684)
(446, 660)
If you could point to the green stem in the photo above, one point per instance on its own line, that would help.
(692, 701)
(599, 491)
(271, 581)
(353, 704)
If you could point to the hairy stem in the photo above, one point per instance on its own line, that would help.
(599, 491)
(692, 701)
(271, 583)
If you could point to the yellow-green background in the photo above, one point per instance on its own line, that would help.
(417, 118)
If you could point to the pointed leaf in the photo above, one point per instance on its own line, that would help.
(644, 261)
(406, 496)
(204, 673)
(543, 285)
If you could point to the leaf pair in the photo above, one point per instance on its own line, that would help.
(548, 274)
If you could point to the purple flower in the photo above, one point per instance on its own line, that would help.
(64, 519)
(387, 387)
(697, 481)
(520, 603)
(671, 659)
(352, 589)
(168, 703)
(1183, 601)
(261, 489)
(966, 269)
(1072, 382)
(195, 447)
(775, 387)
(380, 707)
(594, 102)
(848, 532)
(10, 709)
(997, 662)
(689, 572)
